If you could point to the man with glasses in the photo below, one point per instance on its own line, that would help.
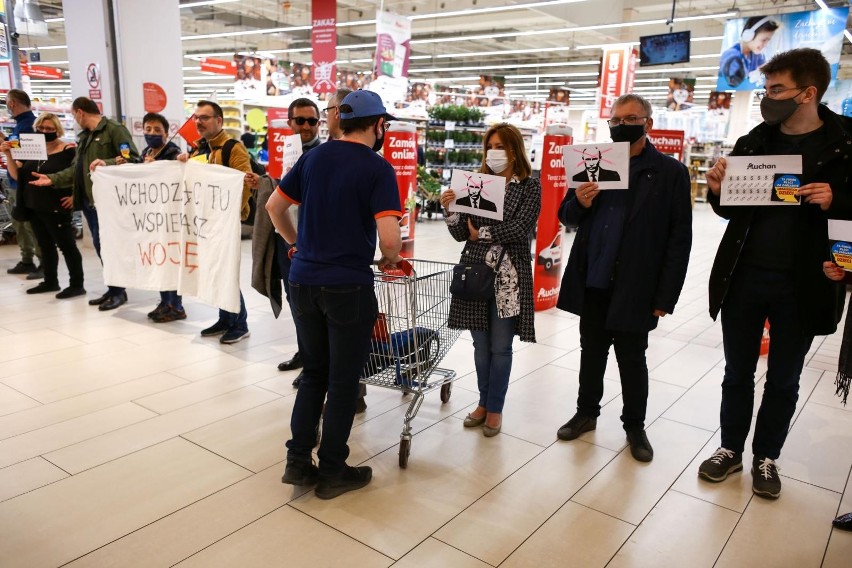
(626, 270)
(769, 265)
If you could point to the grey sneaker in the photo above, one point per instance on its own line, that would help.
(720, 465)
(765, 481)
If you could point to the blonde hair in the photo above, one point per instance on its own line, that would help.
(513, 144)
(53, 119)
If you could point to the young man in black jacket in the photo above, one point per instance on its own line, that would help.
(769, 265)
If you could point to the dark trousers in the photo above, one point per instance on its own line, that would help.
(52, 231)
(595, 341)
(91, 215)
(236, 321)
(756, 294)
(284, 262)
(335, 324)
(173, 299)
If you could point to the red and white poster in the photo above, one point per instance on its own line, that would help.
(393, 44)
(617, 74)
(40, 72)
(548, 243)
(324, 45)
(275, 146)
(219, 66)
(400, 150)
(668, 142)
(154, 97)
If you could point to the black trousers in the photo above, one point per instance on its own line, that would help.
(595, 341)
(52, 231)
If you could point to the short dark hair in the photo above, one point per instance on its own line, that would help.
(154, 117)
(85, 104)
(767, 26)
(301, 103)
(20, 97)
(217, 110)
(340, 94)
(350, 125)
(807, 66)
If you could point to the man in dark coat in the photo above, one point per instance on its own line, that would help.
(626, 270)
(593, 170)
(769, 265)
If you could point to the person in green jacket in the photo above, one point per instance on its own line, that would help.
(102, 141)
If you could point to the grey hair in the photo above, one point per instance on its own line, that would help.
(340, 94)
(631, 98)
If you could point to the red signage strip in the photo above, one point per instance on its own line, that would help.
(219, 66)
(39, 72)
(324, 45)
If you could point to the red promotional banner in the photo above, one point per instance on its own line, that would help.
(548, 242)
(617, 74)
(275, 148)
(668, 141)
(39, 72)
(219, 66)
(324, 45)
(400, 149)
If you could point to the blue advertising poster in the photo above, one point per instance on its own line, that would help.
(748, 43)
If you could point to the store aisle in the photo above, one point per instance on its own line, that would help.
(127, 443)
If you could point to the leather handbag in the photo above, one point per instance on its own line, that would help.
(474, 281)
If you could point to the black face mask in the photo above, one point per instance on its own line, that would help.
(377, 145)
(50, 136)
(627, 132)
(776, 111)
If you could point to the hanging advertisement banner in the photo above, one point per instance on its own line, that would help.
(400, 150)
(548, 242)
(248, 83)
(681, 93)
(393, 44)
(218, 66)
(668, 142)
(39, 72)
(748, 43)
(275, 138)
(619, 68)
(324, 45)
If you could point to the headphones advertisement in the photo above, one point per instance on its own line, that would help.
(749, 43)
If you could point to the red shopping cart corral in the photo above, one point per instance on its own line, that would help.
(411, 336)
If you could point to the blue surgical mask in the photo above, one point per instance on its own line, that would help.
(154, 140)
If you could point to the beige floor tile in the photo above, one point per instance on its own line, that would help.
(795, 529)
(817, 450)
(567, 339)
(433, 553)
(627, 489)
(699, 406)
(452, 468)
(574, 536)
(824, 392)
(12, 401)
(839, 549)
(687, 366)
(56, 524)
(265, 543)
(186, 531)
(211, 367)
(493, 527)
(22, 345)
(680, 531)
(102, 449)
(660, 349)
(53, 359)
(572, 361)
(50, 438)
(60, 411)
(547, 324)
(26, 476)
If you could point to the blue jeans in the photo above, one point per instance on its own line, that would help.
(492, 355)
(335, 324)
(91, 215)
(755, 295)
(236, 322)
(172, 298)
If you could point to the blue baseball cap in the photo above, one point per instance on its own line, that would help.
(364, 104)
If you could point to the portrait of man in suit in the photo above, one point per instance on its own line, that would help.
(474, 198)
(593, 170)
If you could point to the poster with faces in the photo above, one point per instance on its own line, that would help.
(761, 180)
(607, 164)
(478, 194)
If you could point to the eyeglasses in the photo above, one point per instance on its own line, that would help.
(45, 130)
(327, 110)
(301, 120)
(632, 120)
(775, 91)
(202, 117)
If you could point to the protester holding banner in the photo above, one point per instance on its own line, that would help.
(505, 247)
(51, 222)
(769, 264)
(626, 270)
(100, 142)
(345, 193)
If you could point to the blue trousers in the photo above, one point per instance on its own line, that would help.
(492, 355)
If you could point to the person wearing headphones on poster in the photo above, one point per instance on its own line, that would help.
(739, 66)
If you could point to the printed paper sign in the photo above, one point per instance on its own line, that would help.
(840, 243)
(478, 194)
(292, 152)
(172, 226)
(607, 164)
(761, 180)
(32, 147)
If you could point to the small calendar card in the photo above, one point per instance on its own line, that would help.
(840, 243)
(761, 180)
(32, 147)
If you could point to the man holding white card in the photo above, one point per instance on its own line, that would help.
(769, 263)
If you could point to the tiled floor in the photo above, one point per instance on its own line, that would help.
(125, 443)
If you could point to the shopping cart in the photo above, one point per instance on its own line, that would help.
(5, 218)
(411, 336)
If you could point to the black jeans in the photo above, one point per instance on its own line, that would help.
(54, 230)
(756, 294)
(335, 324)
(595, 340)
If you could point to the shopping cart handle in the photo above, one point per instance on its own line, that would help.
(402, 266)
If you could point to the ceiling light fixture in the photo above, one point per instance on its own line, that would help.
(205, 3)
(506, 52)
(505, 66)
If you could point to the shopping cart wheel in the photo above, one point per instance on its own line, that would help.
(404, 451)
(446, 391)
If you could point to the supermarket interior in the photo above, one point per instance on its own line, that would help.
(127, 442)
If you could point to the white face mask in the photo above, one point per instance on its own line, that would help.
(497, 161)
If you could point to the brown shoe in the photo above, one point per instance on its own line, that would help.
(170, 314)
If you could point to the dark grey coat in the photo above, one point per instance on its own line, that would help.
(520, 215)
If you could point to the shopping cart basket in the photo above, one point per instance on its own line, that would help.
(5, 218)
(411, 336)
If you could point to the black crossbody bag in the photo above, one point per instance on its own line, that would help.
(475, 281)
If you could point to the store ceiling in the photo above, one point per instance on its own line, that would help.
(538, 45)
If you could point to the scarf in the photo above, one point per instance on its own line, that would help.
(844, 363)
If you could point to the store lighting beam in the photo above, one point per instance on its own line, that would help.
(205, 3)
(505, 66)
(506, 52)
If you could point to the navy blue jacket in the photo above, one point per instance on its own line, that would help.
(23, 125)
(655, 246)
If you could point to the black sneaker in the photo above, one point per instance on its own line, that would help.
(161, 308)
(22, 268)
(37, 274)
(43, 287)
(360, 405)
(576, 426)
(720, 465)
(298, 472)
(350, 479)
(765, 481)
(640, 447)
(71, 292)
(217, 328)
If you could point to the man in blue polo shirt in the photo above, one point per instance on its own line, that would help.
(345, 193)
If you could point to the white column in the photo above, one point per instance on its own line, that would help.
(87, 25)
